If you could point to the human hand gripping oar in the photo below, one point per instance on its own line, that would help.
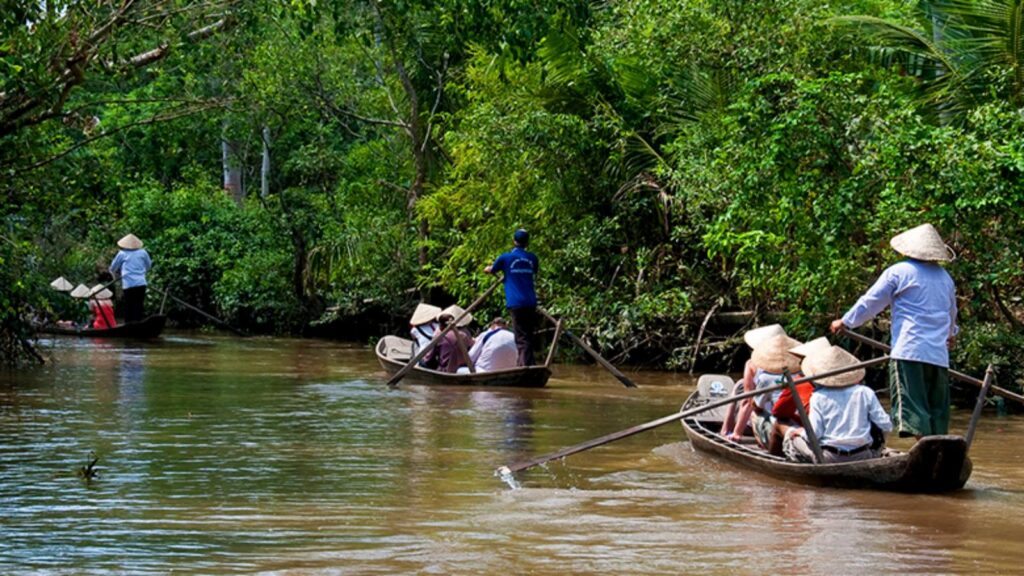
(519, 466)
(996, 390)
(593, 353)
(437, 337)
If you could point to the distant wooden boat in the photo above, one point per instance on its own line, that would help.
(394, 353)
(149, 327)
(934, 464)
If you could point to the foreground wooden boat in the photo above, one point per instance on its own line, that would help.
(149, 327)
(394, 353)
(934, 464)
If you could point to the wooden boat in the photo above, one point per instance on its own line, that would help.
(934, 464)
(149, 327)
(394, 353)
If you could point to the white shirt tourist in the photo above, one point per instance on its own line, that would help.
(842, 417)
(494, 350)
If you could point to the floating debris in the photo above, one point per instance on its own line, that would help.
(88, 472)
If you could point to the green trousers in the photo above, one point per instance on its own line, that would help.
(920, 398)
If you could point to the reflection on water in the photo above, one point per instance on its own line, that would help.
(271, 455)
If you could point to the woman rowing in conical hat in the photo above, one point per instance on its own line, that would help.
(131, 264)
(923, 300)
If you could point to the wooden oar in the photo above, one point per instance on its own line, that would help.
(976, 415)
(955, 374)
(517, 467)
(437, 336)
(202, 312)
(593, 353)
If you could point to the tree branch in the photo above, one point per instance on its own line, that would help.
(165, 117)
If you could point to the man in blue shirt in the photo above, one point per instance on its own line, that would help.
(131, 264)
(520, 268)
(923, 300)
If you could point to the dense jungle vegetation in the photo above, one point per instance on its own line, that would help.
(318, 165)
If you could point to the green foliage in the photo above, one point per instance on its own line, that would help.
(670, 158)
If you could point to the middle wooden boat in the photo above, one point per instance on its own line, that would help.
(394, 353)
(934, 464)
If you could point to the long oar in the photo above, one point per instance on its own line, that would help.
(513, 468)
(593, 353)
(201, 312)
(996, 390)
(437, 337)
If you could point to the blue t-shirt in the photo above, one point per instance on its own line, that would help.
(520, 268)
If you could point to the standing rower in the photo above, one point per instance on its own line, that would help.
(131, 264)
(923, 300)
(520, 268)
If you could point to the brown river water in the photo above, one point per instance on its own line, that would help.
(220, 455)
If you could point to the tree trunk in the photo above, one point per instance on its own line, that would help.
(232, 170)
(265, 168)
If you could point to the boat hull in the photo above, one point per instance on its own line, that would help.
(934, 464)
(149, 327)
(394, 353)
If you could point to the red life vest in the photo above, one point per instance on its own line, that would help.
(103, 314)
(785, 407)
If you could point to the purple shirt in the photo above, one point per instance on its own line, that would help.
(923, 300)
(446, 351)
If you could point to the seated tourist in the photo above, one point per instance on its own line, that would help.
(495, 348)
(422, 327)
(842, 411)
(752, 338)
(769, 361)
(448, 353)
(785, 414)
(102, 308)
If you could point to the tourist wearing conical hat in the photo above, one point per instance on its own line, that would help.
(785, 411)
(752, 337)
(843, 411)
(422, 327)
(923, 300)
(769, 361)
(131, 264)
(102, 308)
(447, 352)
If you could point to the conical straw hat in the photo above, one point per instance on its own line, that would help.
(832, 358)
(922, 243)
(81, 291)
(424, 313)
(773, 354)
(455, 310)
(62, 285)
(101, 293)
(758, 335)
(812, 346)
(130, 242)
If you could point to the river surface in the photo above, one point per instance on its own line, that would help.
(221, 455)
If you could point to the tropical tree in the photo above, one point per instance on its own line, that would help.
(964, 52)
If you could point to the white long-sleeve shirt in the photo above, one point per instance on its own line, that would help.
(923, 300)
(494, 350)
(842, 417)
